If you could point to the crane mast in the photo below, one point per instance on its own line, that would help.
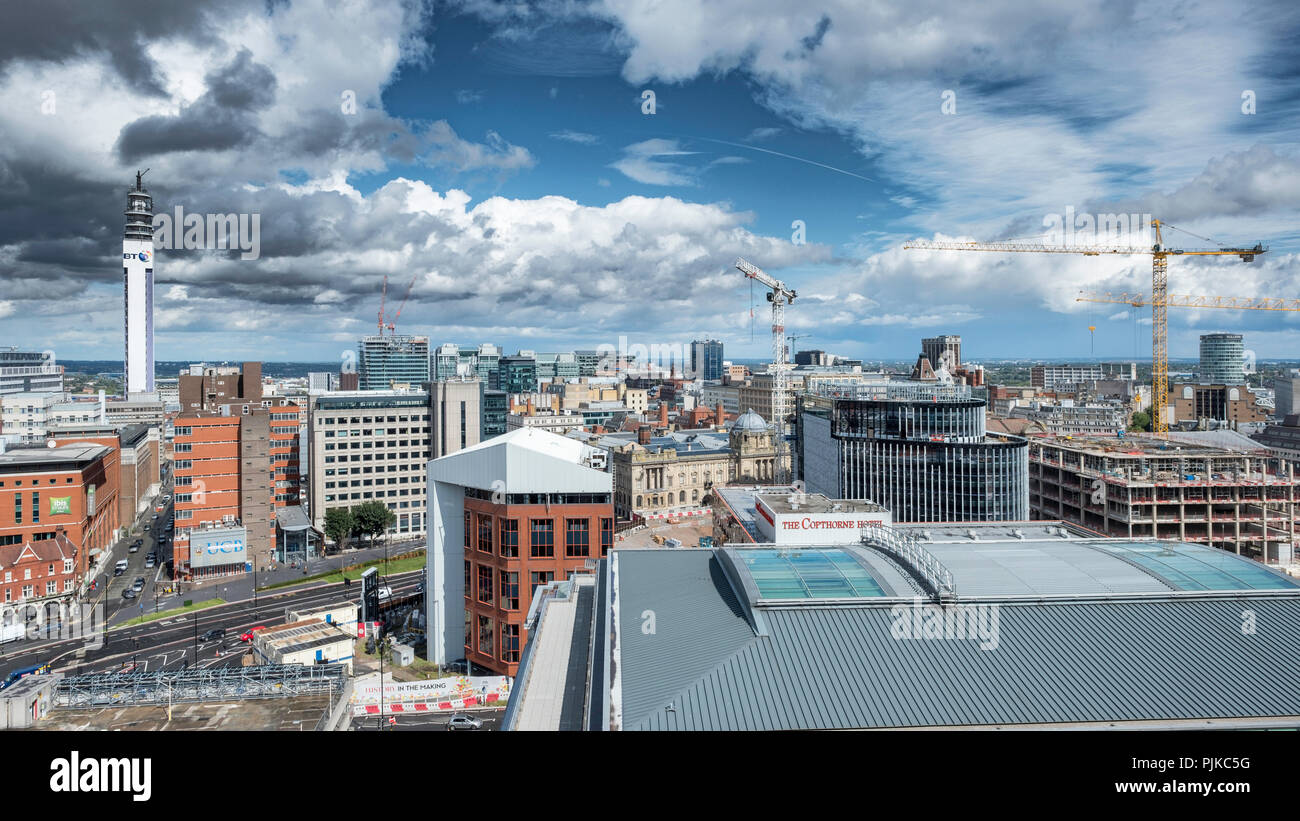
(780, 296)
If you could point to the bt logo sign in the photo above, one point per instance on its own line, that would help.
(143, 256)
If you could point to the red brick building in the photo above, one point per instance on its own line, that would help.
(509, 514)
(70, 489)
(39, 580)
(240, 466)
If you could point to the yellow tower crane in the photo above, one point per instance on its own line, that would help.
(1159, 301)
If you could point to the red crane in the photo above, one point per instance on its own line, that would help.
(392, 326)
(383, 300)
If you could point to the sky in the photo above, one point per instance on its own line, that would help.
(571, 174)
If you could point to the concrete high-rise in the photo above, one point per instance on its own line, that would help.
(137, 289)
(1222, 358)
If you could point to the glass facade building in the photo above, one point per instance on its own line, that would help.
(706, 358)
(387, 360)
(926, 458)
(1222, 359)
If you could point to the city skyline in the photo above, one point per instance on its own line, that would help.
(510, 162)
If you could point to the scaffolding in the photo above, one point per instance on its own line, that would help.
(199, 685)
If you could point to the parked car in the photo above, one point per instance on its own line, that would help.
(120, 567)
(213, 634)
(248, 636)
(149, 561)
(464, 722)
(134, 548)
(128, 593)
(385, 593)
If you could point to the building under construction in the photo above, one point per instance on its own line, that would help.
(1143, 487)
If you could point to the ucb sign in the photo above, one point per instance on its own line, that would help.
(217, 546)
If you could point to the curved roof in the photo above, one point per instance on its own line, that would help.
(750, 421)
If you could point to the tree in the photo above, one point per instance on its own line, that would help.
(338, 524)
(372, 519)
(1141, 421)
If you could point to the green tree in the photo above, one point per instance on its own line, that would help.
(372, 519)
(1140, 421)
(338, 525)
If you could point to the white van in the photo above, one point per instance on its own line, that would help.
(120, 567)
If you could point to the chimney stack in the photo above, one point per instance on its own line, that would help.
(532, 408)
(643, 435)
(720, 416)
(663, 414)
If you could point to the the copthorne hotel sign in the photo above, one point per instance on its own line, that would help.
(818, 522)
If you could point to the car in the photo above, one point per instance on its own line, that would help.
(385, 593)
(213, 634)
(138, 584)
(149, 561)
(120, 567)
(248, 636)
(146, 528)
(128, 593)
(419, 588)
(456, 666)
(464, 722)
(135, 548)
(155, 516)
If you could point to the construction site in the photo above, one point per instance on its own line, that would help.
(1149, 487)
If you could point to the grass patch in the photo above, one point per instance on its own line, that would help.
(163, 614)
(404, 564)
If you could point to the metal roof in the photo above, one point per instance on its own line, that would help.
(700, 666)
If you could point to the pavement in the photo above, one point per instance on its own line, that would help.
(425, 721)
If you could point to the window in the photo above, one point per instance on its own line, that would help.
(484, 533)
(510, 643)
(50, 589)
(36, 507)
(543, 539)
(509, 590)
(577, 537)
(485, 630)
(509, 538)
(468, 541)
(67, 566)
(469, 589)
(606, 536)
(27, 574)
(18, 508)
(485, 584)
(28, 591)
(539, 577)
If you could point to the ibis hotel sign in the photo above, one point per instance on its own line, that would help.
(218, 546)
(816, 526)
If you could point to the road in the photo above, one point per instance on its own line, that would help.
(424, 722)
(170, 642)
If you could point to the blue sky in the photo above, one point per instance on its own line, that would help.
(498, 155)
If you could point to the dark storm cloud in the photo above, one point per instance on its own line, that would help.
(59, 31)
(219, 120)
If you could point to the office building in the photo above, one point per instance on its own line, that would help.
(137, 289)
(139, 449)
(207, 387)
(322, 382)
(456, 415)
(1286, 394)
(785, 515)
(1222, 359)
(589, 362)
(1234, 404)
(483, 361)
(234, 468)
(706, 359)
(69, 489)
(818, 358)
(518, 374)
(970, 626)
(920, 449)
(943, 351)
(1149, 488)
(555, 366)
(370, 446)
(507, 515)
(495, 408)
(29, 372)
(1066, 417)
(1064, 377)
(388, 361)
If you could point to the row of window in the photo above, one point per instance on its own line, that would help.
(370, 420)
(537, 498)
(488, 631)
(541, 539)
(29, 591)
(27, 571)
